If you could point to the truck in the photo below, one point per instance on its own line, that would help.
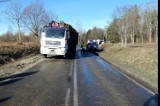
(57, 40)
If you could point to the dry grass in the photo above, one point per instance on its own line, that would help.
(13, 51)
(141, 61)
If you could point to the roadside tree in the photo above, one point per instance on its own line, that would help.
(35, 17)
(14, 13)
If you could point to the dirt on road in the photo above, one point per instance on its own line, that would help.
(15, 57)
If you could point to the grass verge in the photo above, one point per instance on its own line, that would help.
(139, 62)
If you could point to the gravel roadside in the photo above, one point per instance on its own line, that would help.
(20, 65)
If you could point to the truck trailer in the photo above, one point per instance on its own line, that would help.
(58, 39)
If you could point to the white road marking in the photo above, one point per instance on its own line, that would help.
(70, 73)
(127, 77)
(137, 83)
(67, 97)
(75, 93)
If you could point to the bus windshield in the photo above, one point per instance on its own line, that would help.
(54, 33)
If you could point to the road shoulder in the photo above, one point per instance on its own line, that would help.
(20, 65)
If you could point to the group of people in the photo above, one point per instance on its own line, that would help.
(56, 24)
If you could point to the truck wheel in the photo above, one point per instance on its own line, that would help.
(45, 55)
(65, 56)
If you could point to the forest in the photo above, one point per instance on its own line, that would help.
(131, 24)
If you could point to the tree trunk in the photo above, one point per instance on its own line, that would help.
(125, 42)
(150, 35)
(133, 37)
(122, 40)
(19, 33)
(125, 45)
(156, 35)
(122, 43)
(142, 39)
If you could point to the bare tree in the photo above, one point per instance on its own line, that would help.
(141, 24)
(14, 13)
(134, 21)
(119, 23)
(131, 21)
(79, 29)
(156, 26)
(122, 16)
(155, 22)
(148, 17)
(118, 16)
(35, 17)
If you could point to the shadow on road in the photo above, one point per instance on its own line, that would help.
(86, 54)
(74, 55)
(14, 78)
(10, 81)
(4, 99)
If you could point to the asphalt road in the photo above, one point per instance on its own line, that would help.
(84, 81)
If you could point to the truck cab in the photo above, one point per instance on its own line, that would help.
(54, 41)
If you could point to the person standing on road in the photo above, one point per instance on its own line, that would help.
(54, 24)
(83, 47)
(61, 24)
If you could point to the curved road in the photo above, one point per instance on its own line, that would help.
(84, 81)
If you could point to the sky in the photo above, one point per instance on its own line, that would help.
(84, 14)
